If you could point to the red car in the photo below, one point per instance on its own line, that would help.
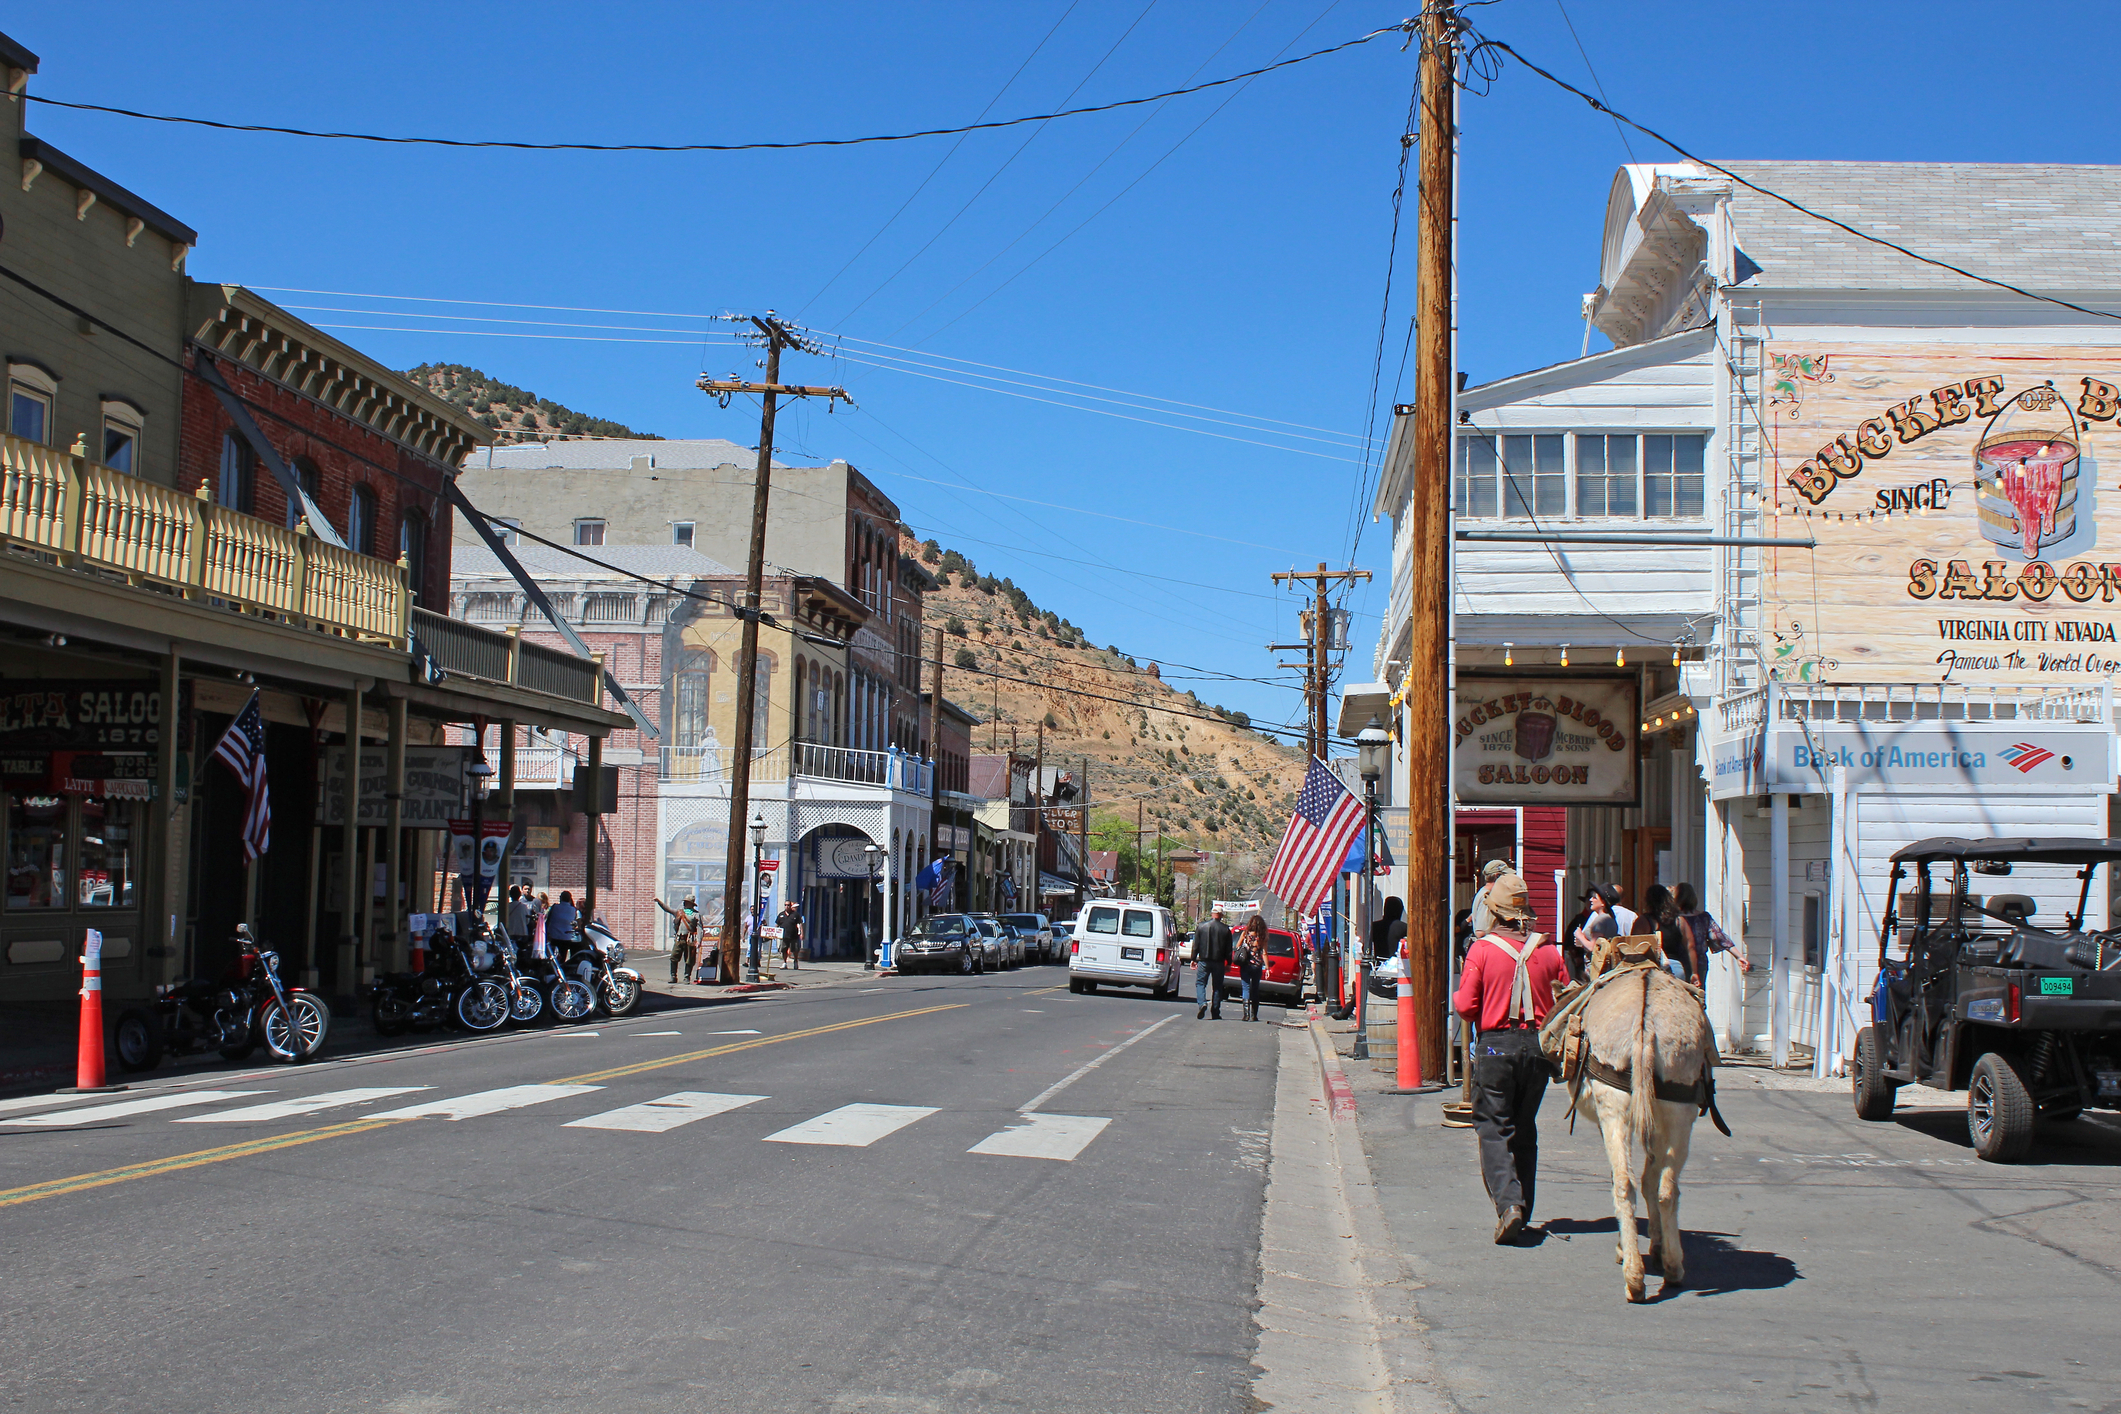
(1283, 979)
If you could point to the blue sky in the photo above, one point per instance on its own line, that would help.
(1229, 255)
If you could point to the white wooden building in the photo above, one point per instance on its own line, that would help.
(1937, 440)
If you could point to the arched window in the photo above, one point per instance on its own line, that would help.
(235, 488)
(361, 521)
(412, 545)
(689, 694)
(761, 705)
(310, 479)
(797, 727)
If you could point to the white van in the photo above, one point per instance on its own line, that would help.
(1124, 944)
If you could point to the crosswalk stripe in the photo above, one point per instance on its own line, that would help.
(656, 1116)
(41, 1102)
(856, 1126)
(123, 1108)
(1043, 1136)
(307, 1104)
(487, 1102)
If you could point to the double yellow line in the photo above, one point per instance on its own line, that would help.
(56, 1187)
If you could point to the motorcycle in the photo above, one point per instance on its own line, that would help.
(451, 991)
(248, 1005)
(599, 960)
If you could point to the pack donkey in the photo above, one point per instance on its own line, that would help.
(1637, 1055)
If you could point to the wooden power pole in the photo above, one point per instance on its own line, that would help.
(776, 336)
(1317, 645)
(1428, 691)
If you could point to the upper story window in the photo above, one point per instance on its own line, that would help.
(412, 548)
(238, 477)
(1628, 475)
(361, 520)
(122, 422)
(589, 532)
(681, 532)
(31, 390)
(310, 480)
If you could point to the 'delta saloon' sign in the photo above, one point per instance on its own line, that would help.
(1955, 497)
(1530, 740)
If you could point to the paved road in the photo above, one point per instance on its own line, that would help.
(845, 1212)
(1833, 1264)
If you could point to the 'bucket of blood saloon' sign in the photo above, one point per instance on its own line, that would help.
(1525, 739)
(1955, 499)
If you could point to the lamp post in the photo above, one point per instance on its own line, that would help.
(481, 787)
(1372, 747)
(874, 857)
(758, 893)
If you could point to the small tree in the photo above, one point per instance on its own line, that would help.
(966, 658)
(955, 627)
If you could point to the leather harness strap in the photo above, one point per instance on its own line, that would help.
(1701, 1093)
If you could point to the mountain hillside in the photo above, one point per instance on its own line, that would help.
(516, 414)
(1203, 776)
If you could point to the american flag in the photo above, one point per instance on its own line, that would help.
(1327, 818)
(242, 750)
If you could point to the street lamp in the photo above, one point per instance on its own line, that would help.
(1373, 750)
(874, 857)
(758, 893)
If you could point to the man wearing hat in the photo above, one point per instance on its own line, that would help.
(1511, 976)
(1494, 870)
(1211, 958)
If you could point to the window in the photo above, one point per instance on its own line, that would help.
(681, 532)
(505, 528)
(589, 532)
(1671, 475)
(1103, 920)
(1140, 924)
(1476, 476)
(1588, 475)
(412, 545)
(1605, 476)
(108, 853)
(36, 851)
(122, 421)
(1534, 482)
(361, 520)
(690, 690)
(234, 488)
(31, 388)
(309, 479)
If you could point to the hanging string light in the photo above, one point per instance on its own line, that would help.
(1620, 657)
(1675, 653)
(1509, 659)
(1564, 655)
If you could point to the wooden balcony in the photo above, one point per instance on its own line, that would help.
(83, 515)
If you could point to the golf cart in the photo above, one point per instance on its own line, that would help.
(1970, 995)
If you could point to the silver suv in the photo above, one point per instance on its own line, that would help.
(1037, 934)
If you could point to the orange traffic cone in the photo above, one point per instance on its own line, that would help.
(88, 1070)
(1410, 1079)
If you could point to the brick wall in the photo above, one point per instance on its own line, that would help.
(346, 453)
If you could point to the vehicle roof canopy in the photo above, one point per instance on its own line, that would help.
(2033, 850)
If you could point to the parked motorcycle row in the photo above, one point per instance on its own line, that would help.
(481, 982)
(489, 980)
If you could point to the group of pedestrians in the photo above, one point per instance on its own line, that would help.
(1215, 951)
(524, 914)
(1509, 983)
(687, 927)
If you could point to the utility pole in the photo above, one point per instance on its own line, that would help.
(1427, 693)
(935, 750)
(1038, 823)
(776, 336)
(1320, 639)
(1082, 837)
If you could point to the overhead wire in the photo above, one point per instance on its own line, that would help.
(790, 145)
(1407, 139)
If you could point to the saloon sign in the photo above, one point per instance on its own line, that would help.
(1526, 740)
(1955, 499)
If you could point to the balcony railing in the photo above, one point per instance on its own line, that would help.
(545, 768)
(703, 764)
(85, 514)
(1911, 702)
(469, 651)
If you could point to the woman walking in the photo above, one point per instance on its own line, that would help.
(1251, 960)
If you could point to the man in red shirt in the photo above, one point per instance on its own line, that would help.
(1508, 986)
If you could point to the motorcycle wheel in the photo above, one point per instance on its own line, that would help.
(570, 1000)
(526, 1004)
(139, 1041)
(482, 1006)
(390, 1014)
(299, 1037)
(622, 996)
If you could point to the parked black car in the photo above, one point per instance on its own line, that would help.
(1970, 995)
(947, 942)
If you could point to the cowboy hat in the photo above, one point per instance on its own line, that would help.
(1507, 898)
(1495, 869)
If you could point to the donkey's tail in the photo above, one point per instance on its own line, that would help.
(1642, 1074)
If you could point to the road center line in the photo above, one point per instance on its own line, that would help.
(54, 1188)
(1059, 1085)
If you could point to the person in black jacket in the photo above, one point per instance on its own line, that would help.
(1211, 958)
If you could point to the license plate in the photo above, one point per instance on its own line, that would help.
(1130, 954)
(2058, 986)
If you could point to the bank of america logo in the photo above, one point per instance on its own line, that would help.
(2024, 755)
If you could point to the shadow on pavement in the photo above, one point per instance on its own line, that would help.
(2080, 1141)
(1715, 1265)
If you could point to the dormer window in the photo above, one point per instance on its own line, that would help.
(122, 422)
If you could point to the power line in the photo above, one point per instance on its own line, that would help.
(1384, 321)
(1796, 206)
(708, 146)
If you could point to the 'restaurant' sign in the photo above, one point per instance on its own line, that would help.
(1955, 498)
(1533, 740)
